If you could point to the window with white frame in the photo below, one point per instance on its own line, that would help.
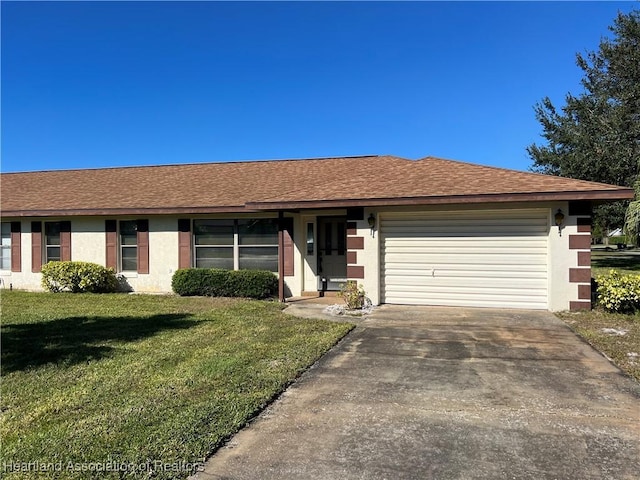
(52, 250)
(128, 245)
(5, 247)
(248, 244)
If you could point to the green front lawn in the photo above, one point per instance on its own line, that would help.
(625, 261)
(147, 383)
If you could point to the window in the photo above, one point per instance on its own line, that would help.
(236, 244)
(258, 244)
(310, 238)
(5, 247)
(214, 243)
(128, 245)
(52, 250)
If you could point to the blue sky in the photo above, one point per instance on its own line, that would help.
(100, 84)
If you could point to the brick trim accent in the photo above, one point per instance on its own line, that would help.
(584, 224)
(574, 306)
(579, 242)
(355, 243)
(584, 292)
(355, 271)
(580, 275)
(584, 259)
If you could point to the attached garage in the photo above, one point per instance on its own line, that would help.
(486, 258)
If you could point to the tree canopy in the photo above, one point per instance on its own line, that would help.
(596, 134)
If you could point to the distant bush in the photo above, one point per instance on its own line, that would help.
(618, 240)
(78, 277)
(618, 292)
(259, 284)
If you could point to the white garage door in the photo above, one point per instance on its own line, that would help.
(465, 258)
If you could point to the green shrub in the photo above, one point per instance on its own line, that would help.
(618, 240)
(210, 282)
(259, 284)
(618, 292)
(78, 277)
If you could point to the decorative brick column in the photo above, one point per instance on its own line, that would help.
(580, 243)
(354, 243)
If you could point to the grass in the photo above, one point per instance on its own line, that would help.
(624, 261)
(617, 348)
(135, 380)
(622, 350)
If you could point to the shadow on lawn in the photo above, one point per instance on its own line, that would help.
(626, 262)
(69, 341)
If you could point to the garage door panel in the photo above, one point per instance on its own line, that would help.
(489, 258)
(519, 303)
(406, 275)
(417, 241)
(432, 260)
(464, 292)
(471, 284)
(479, 231)
(438, 276)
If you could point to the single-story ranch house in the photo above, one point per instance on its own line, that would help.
(421, 232)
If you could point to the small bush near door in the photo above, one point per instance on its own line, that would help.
(258, 284)
(78, 277)
(353, 295)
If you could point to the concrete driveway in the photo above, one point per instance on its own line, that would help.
(447, 393)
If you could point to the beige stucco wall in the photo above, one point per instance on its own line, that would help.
(88, 244)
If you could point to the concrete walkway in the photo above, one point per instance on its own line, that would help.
(444, 393)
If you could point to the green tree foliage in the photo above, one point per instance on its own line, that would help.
(596, 135)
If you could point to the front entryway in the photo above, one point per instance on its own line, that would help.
(332, 253)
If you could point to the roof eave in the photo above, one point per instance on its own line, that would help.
(599, 196)
(592, 195)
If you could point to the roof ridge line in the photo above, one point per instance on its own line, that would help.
(93, 169)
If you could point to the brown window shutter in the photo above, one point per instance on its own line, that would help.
(143, 246)
(111, 230)
(36, 246)
(65, 241)
(288, 247)
(16, 247)
(184, 243)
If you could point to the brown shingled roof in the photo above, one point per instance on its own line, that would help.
(282, 184)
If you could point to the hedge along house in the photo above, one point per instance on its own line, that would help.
(423, 232)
